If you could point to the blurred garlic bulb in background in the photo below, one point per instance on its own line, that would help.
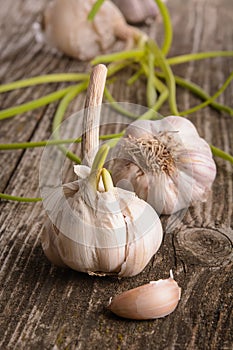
(153, 300)
(137, 11)
(165, 162)
(100, 231)
(65, 27)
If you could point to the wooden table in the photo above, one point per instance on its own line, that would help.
(46, 307)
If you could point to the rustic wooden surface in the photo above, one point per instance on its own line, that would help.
(45, 307)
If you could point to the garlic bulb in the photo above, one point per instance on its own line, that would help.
(65, 27)
(166, 163)
(100, 231)
(93, 226)
(153, 300)
(137, 11)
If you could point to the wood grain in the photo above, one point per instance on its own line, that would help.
(45, 307)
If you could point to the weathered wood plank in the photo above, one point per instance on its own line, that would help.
(45, 307)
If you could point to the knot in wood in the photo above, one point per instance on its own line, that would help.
(204, 246)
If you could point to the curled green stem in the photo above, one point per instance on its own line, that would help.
(118, 107)
(20, 199)
(198, 91)
(113, 142)
(221, 154)
(34, 144)
(168, 32)
(115, 67)
(168, 74)
(29, 106)
(151, 94)
(60, 114)
(43, 79)
(209, 100)
(119, 56)
(95, 8)
(152, 113)
(216, 152)
(163, 96)
(198, 56)
(135, 76)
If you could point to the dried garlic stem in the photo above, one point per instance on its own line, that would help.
(90, 139)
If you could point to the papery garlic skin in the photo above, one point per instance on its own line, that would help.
(111, 232)
(66, 27)
(150, 301)
(165, 162)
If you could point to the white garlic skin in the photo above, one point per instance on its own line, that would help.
(187, 178)
(153, 300)
(49, 244)
(119, 236)
(66, 28)
(137, 11)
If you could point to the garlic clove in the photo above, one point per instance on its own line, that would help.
(50, 234)
(140, 245)
(187, 133)
(153, 300)
(49, 244)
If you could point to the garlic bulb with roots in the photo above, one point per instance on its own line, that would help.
(65, 27)
(100, 231)
(165, 162)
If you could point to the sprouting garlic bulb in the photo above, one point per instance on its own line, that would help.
(99, 231)
(137, 11)
(165, 162)
(66, 27)
(153, 300)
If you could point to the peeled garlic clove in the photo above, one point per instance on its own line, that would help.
(153, 300)
(166, 163)
(66, 28)
(137, 11)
